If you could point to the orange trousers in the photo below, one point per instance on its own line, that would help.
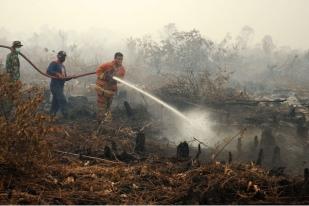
(104, 101)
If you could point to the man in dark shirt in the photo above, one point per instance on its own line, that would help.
(57, 69)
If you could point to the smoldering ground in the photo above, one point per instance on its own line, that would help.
(199, 69)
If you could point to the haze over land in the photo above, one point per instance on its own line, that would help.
(284, 20)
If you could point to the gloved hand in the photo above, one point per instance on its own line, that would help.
(108, 76)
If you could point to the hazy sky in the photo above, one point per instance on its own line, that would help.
(287, 21)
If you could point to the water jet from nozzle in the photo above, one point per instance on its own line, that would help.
(175, 111)
(192, 122)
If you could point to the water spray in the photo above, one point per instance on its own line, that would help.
(178, 113)
(175, 111)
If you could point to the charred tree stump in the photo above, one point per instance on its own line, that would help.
(276, 159)
(199, 151)
(230, 158)
(108, 154)
(196, 159)
(306, 181)
(306, 175)
(260, 157)
(140, 143)
(255, 143)
(267, 141)
(128, 109)
(183, 151)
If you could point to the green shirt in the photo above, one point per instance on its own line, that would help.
(13, 65)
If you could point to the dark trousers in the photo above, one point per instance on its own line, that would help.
(59, 101)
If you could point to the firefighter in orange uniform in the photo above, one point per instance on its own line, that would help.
(106, 86)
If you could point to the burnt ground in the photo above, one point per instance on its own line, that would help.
(109, 166)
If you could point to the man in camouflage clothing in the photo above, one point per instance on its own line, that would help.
(12, 61)
(12, 68)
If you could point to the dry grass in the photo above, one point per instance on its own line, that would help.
(22, 127)
(157, 182)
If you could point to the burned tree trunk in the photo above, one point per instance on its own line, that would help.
(128, 109)
(306, 175)
(108, 154)
(260, 157)
(267, 140)
(276, 159)
(183, 151)
(267, 143)
(140, 143)
(196, 160)
(230, 158)
(306, 181)
(255, 143)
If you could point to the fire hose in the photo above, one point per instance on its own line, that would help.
(46, 75)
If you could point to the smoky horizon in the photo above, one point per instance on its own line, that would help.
(284, 20)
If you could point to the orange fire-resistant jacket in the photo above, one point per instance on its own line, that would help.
(118, 72)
